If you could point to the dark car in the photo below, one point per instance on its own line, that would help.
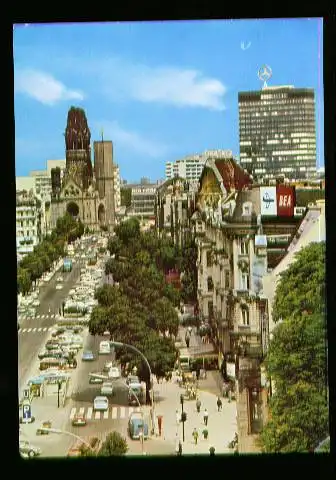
(137, 426)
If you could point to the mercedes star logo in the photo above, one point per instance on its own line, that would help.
(267, 199)
(265, 73)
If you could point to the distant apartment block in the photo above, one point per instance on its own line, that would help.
(191, 167)
(277, 132)
(28, 222)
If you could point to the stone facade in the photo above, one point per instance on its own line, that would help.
(174, 203)
(85, 194)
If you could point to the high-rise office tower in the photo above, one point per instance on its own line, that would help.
(277, 132)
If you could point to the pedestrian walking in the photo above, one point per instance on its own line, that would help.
(212, 451)
(219, 404)
(195, 435)
(189, 330)
(205, 416)
(180, 448)
(198, 405)
(178, 417)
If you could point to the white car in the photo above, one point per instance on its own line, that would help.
(59, 286)
(107, 388)
(114, 373)
(29, 450)
(100, 404)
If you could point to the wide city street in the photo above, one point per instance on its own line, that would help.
(34, 331)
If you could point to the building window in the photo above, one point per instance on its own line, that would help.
(244, 247)
(247, 209)
(245, 316)
(208, 259)
(244, 281)
(210, 284)
(227, 279)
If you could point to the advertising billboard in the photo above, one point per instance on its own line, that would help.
(268, 201)
(285, 197)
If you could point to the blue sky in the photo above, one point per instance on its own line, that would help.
(159, 90)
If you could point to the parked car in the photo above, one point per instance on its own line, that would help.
(27, 449)
(107, 366)
(107, 388)
(136, 425)
(88, 356)
(132, 379)
(59, 286)
(96, 380)
(114, 373)
(100, 404)
(79, 421)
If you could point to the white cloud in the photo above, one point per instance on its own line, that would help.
(130, 140)
(168, 85)
(43, 87)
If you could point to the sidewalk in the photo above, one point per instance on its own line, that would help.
(221, 426)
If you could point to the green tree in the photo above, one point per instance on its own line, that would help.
(126, 196)
(302, 285)
(165, 316)
(130, 229)
(297, 358)
(114, 444)
(23, 281)
(114, 246)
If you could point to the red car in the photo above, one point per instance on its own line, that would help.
(79, 421)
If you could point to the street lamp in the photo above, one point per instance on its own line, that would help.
(65, 432)
(183, 415)
(131, 347)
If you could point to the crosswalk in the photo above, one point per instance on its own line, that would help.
(35, 330)
(113, 413)
(38, 316)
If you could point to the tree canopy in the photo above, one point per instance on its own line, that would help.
(140, 309)
(297, 358)
(40, 260)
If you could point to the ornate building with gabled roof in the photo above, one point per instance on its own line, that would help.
(241, 229)
(85, 192)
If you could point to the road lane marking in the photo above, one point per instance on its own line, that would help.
(130, 410)
(45, 329)
(34, 329)
(122, 412)
(89, 413)
(38, 316)
(50, 329)
(81, 411)
(24, 330)
(29, 329)
(72, 413)
(106, 414)
(137, 409)
(39, 329)
(20, 330)
(97, 416)
(114, 412)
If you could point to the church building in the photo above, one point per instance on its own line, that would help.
(86, 192)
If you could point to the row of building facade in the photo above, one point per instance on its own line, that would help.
(245, 234)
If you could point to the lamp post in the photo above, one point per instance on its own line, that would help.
(65, 432)
(182, 415)
(59, 386)
(131, 347)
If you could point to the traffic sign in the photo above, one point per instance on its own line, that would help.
(26, 393)
(26, 414)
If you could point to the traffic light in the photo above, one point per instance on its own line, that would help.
(183, 416)
(181, 399)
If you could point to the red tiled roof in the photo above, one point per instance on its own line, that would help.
(233, 175)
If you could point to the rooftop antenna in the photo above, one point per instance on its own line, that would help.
(264, 74)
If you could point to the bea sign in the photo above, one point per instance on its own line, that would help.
(285, 201)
